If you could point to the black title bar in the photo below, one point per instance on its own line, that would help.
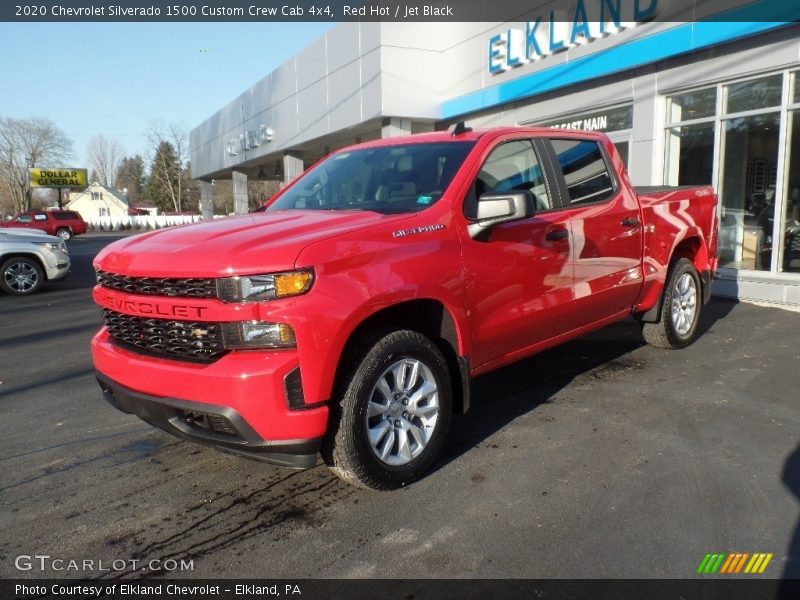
(392, 10)
(711, 588)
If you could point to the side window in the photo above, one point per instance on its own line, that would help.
(24, 219)
(40, 217)
(585, 171)
(513, 166)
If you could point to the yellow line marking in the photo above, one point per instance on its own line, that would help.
(757, 564)
(749, 566)
(765, 563)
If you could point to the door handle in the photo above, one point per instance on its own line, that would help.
(629, 222)
(556, 234)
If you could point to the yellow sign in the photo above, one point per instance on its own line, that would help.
(59, 178)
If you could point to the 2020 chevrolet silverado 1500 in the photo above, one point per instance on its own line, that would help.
(349, 316)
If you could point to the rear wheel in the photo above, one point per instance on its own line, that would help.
(680, 309)
(65, 233)
(393, 414)
(21, 276)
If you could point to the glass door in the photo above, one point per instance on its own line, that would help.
(748, 178)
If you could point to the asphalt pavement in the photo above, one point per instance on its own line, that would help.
(601, 458)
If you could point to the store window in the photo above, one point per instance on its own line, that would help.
(790, 257)
(748, 190)
(693, 105)
(746, 119)
(754, 94)
(690, 154)
(749, 170)
(690, 138)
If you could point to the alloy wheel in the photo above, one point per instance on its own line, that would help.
(402, 412)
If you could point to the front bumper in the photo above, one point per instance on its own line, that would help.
(244, 388)
(218, 426)
(56, 264)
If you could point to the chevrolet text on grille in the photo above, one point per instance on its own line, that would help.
(148, 308)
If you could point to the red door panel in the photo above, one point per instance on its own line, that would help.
(520, 285)
(607, 249)
(605, 226)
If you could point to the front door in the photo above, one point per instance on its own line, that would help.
(520, 274)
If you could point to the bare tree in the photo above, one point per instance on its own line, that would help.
(162, 165)
(105, 156)
(26, 143)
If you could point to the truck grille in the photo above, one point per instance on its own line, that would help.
(159, 286)
(187, 340)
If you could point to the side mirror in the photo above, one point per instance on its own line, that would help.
(496, 208)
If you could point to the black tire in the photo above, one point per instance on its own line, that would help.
(65, 233)
(20, 276)
(676, 328)
(347, 448)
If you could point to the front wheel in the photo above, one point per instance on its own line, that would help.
(680, 309)
(393, 415)
(21, 276)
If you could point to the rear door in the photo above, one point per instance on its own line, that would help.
(40, 221)
(605, 226)
(519, 275)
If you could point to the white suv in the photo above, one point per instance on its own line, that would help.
(29, 258)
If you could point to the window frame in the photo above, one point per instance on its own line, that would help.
(542, 158)
(558, 172)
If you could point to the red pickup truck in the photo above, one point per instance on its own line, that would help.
(349, 316)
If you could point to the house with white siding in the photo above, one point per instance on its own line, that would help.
(98, 201)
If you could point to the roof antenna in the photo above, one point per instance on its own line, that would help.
(460, 128)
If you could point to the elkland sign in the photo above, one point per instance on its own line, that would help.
(59, 178)
(558, 30)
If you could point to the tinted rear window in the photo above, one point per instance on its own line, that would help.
(65, 215)
(585, 170)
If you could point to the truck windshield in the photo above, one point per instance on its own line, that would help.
(386, 179)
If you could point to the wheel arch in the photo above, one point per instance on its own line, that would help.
(32, 255)
(693, 248)
(427, 316)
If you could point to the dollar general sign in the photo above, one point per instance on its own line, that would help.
(59, 178)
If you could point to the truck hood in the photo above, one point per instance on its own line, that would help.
(244, 245)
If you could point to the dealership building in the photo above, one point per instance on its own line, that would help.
(707, 101)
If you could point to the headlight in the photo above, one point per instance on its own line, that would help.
(254, 288)
(257, 334)
(54, 246)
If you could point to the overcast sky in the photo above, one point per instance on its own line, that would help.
(115, 78)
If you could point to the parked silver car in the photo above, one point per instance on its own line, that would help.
(28, 258)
